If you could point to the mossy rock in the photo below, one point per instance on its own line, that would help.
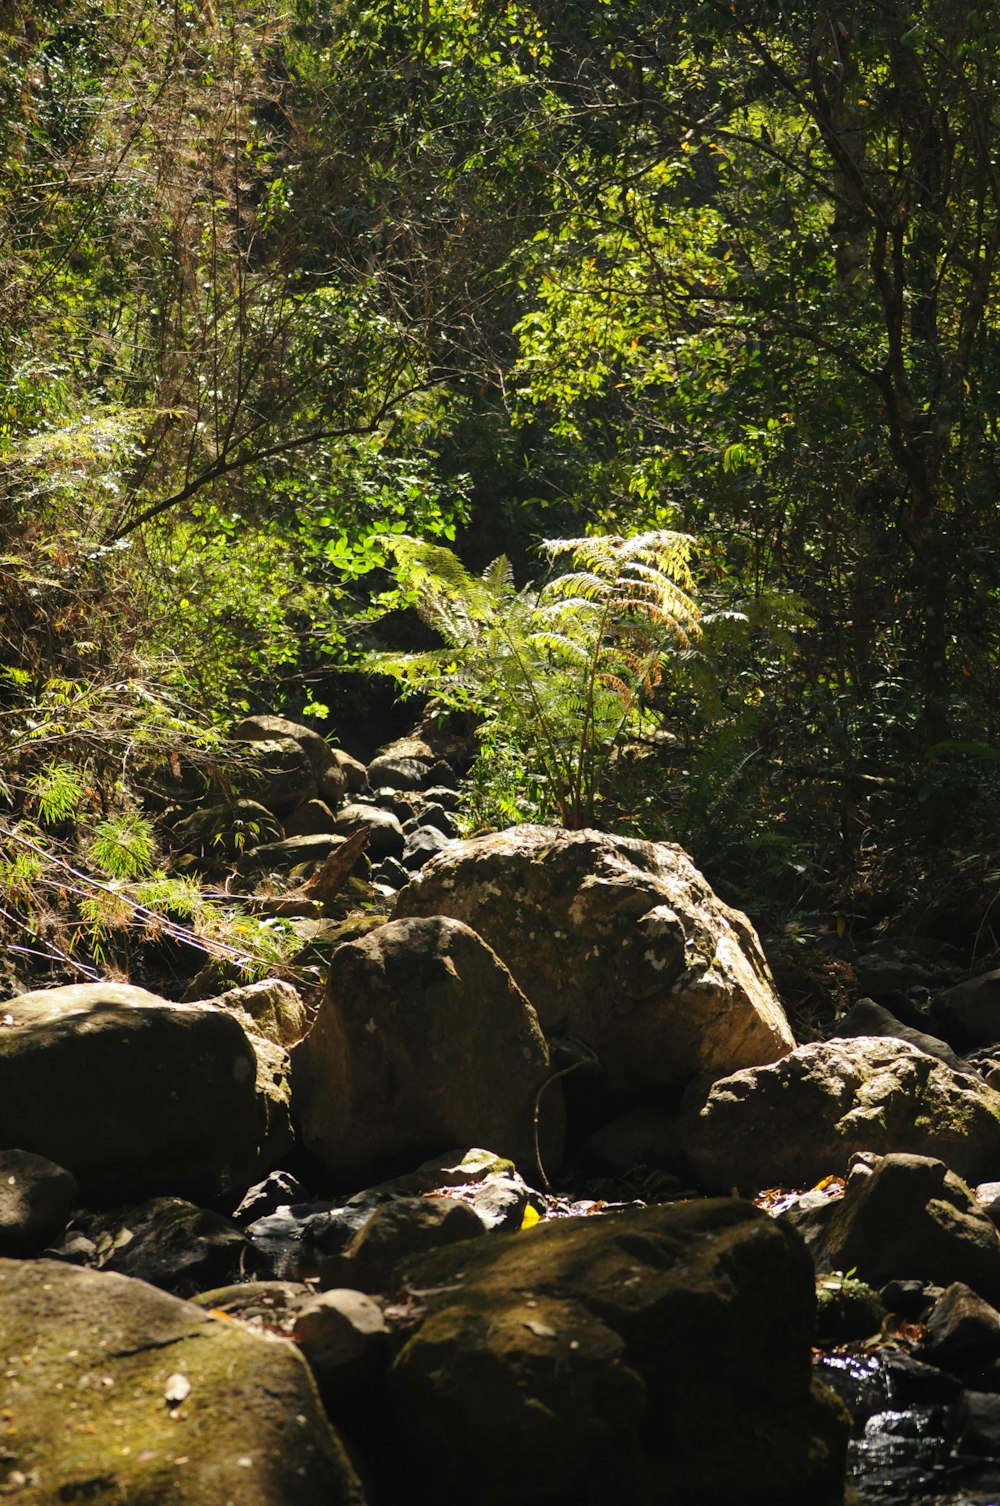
(117, 1392)
(846, 1309)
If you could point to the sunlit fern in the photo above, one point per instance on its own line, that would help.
(567, 666)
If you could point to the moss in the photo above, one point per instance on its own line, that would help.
(846, 1309)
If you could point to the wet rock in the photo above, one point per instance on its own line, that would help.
(133, 1095)
(797, 1120)
(170, 1243)
(423, 1040)
(905, 1216)
(977, 1422)
(395, 1232)
(36, 1200)
(115, 1391)
(385, 835)
(616, 942)
(962, 1330)
(606, 1356)
(870, 1019)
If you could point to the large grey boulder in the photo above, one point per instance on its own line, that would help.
(423, 1041)
(618, 942)
(791, 1122)
(279, 773)
(136, 1096)
(331, 780)
(116, 1392)
(662, 1355)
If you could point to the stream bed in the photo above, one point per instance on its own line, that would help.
(918, 1436)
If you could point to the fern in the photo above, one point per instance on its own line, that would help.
(59, 792)
(123, 847)
(564, 668)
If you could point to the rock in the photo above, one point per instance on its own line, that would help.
(354, 771)
(268, 1304)
(977, 1423)
(422, 1041)
(905, 1217)
(170, 1243)
(971, 1011)
(133, 1095)
(278, 773)
(344, 1337)
(398, 773)
(279, 1188)
(617, 942)
(391, 873)
(871, 1019)
(274, 1006)
(962, 1330)
(422, 844)
(385, 835)
(660, 1354)
(114, 1391)
(226, 829)
(322, 758)
(905, 1298)
(443, 797)
(396, 1231)
(846, 1309)
(36, 1200)
(289, 854)
(802, 1118)
(432, 814)
(499, 1201)
(313, 819)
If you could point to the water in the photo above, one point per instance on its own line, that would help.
(910, 1426)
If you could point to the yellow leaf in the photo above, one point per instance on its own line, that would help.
(531, 1216)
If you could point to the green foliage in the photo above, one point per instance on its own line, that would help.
(59, 791)
(566, 671)
(124, 847)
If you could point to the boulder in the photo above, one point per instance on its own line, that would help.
(226, 829)
(36, 1200)
(971, 1010)
(908, 1217)
(617, 942)
(797, 1120)
(962, 1330)
(659, 1355)
(169, 1243)
(133, 1095)
(385, 834)
(313, 819)
(279, 774)
(398, 773)
(354, 771)
(868, 1018)
(275, 1009)
(322, 758)
(423, 1041)
(423, 843)
(397, 1231)
(289, 854)
(345, 1339)
(114, 1391)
